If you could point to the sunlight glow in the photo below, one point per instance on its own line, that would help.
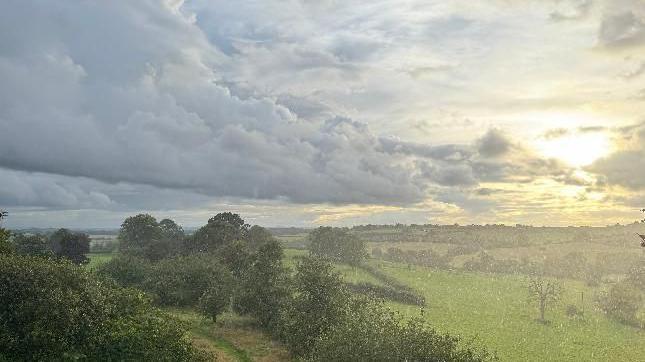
(577, 150)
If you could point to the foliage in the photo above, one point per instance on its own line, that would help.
(258, 236)
(372, 332)
(545, 292)
(574, 312)
(263, 287)
(387, 293)
(32, 244)
(217, 298)
(69, 245)
(127, 270)
(402, 290)
(337, 244)
(181, 281)
(622, 303)
(318, 304)
(221, 229)
(53, 310)
(142, 236)
(6, 247)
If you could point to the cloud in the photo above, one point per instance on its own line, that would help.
(149, 110)
(626, 166)
(624, 29)
(571, 10)
(494, 143)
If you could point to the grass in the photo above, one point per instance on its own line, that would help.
(232, 338)
(494, 310)
(97, 259)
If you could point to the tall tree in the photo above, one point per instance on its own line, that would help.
(263, 287)
(220, 229)
(70, 245)
(141, 235)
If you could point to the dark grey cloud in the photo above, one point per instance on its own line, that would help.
(105, 104)
(625, 167)
(494, 144)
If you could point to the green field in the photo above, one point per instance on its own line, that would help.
(97, 259)
(489, 310)
(494, 309)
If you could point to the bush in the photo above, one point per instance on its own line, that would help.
(394, 284)
(127, 270)
(371, 332)
(54, 310)
(622, 303)
(573, 312)
(387, 293)
(181, 281)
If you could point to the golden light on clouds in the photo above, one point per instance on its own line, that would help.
(578, 149)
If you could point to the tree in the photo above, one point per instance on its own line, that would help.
(138, 235)
(127, 270)
(217, 298)
(181, 281)
(73, 246)
(263, 286)
(32, 244)
(319, 303)
(544, 292)
(337, 244)
(220, 229)
(142, 236)
(53, 310)
(258, 236)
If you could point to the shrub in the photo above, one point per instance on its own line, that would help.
(54, 310)
(622, 303)
(573, 312)
(127, 270)
(388, 293)
(372, 332)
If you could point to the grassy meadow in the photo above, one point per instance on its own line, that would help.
(494, 310)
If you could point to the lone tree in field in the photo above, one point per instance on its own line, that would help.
(544, 292)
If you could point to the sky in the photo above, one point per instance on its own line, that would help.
(307, 113)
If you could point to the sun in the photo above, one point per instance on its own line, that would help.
(577, 150)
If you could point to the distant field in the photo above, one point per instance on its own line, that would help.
(494, 310)
(97, 259)
(294, 241)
